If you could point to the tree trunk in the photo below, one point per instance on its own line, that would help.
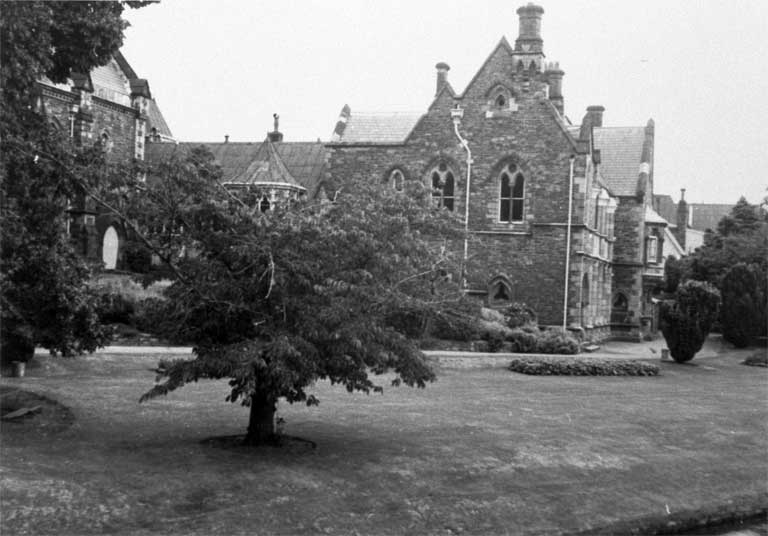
(261, 424)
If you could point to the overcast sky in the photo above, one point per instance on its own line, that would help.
(698, 68)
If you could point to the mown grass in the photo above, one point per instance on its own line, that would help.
(480, 451)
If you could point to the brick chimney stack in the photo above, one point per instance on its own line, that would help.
(555, 81)
(530, 28)
(442, 76)
(529, 47)
(593, 118)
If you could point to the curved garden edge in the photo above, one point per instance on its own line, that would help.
(747, 509)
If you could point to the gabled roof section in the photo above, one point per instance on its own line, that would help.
(676, 250)
(621, 150)
(666, 207)
(372, 127)
(651, 216)
(503, 43)
(124, 65)
(157, 121)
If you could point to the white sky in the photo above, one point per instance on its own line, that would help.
(698, 68)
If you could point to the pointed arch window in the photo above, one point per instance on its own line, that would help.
(499, 290)
(443, 186)
(511, 195)
(396, 179)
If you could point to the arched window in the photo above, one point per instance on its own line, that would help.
(442, 186)
(620, 302)
(512, 194)
(264, 204)
(501, 101)
(396, 179)
(500, 290)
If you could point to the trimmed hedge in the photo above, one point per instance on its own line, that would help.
(582, 367)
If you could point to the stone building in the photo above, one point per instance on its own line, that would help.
(113, 108)
(563, 214)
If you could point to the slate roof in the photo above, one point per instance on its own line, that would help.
(666, 207)
(620, 153)
(157, 120)
(373, 127)
(246, 162)
(651, 216)
(705, 216)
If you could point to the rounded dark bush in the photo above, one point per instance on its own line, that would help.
(687, 320)
(557, 341)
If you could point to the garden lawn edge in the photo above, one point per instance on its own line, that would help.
(751, 508)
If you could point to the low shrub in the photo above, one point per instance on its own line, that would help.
(582, 367)
(523, 341)
(759, 359)
(455, 326)
(150, 316)
(113, 307)
(556, 341)
(494, 342)
(519, 314)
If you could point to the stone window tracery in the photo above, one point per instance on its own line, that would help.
(511, 194)
(443, 184)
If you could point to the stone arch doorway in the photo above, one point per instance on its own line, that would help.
(110, 245)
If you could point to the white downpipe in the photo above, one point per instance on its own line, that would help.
(568, 244)
(464, 143)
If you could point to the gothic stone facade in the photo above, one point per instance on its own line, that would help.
(111, 107)
(525, 160)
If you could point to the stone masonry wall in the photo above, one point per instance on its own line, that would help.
(528, 133)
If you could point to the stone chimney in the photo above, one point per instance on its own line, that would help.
(555, 80)
(682, 219)
(442, 76)
(529, 38)
(275, 135)
(593, 118)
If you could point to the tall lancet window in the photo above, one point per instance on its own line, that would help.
(442, 186)
(511, 195)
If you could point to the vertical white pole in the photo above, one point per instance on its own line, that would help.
(568, 244)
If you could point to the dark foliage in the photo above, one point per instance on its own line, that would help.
(519, 314)
(44, 298)
(585, 367)
(744, 304)
(687, 320)
(276, 301)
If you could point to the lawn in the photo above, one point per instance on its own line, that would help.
(481, 451)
